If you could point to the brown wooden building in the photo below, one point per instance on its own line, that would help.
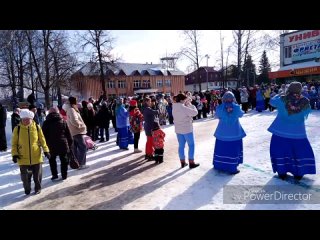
(126, 79)
(209, 79)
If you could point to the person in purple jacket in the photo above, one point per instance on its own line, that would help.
(228, 150)
(290, 149)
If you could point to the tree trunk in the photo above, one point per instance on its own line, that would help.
(59, 96)
(21, 77)
(47, 97)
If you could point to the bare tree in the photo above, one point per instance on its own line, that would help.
(101, 44)
(63, 64)
(191, 51)
(20, 54)
(7, 62)
(245, 42)
(50, 58)
(271, 41)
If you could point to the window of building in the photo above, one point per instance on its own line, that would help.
(110, 84)
(287, 52)
(146, 83)
(159, 83)
(168, 83)
(121, 84)
(136, 83)
(194, 87)
(210, 84)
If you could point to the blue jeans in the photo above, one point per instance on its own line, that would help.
(182, 139)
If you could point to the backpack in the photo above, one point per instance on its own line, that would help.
(19, 135)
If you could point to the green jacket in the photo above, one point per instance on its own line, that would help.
(28, 146)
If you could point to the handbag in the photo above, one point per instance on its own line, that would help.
(73, 162)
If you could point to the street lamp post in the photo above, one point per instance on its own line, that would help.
(207, 56)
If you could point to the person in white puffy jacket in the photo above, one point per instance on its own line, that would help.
(183, 112)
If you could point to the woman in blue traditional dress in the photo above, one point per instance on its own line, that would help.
(122, 118)
(290, 149)
(260, 105)
(228, 150)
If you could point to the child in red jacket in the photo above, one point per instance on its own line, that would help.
(158, 142)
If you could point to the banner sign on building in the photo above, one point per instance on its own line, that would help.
(306, 50)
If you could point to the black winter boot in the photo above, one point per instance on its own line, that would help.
(183, 163)
(282, 176)
(192, 164)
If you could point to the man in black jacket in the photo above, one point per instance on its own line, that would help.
(3, 120)
(59, 141)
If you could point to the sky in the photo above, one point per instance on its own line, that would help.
(118, 179)
(141, 46)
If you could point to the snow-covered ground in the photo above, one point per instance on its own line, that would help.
(119, 179)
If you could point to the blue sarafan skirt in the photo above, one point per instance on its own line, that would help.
(228, 155)
(125, 137)
(292, 155)
(260, 105)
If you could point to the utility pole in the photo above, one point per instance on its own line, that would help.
(207, 56)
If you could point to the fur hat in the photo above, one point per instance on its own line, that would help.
(227, 95)
(294, 87)
(26, 113)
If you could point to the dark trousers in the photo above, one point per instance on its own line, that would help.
(80, 148)
(158, 155)
(199, 114)
(117, 141)
(91, 132)
(3, 139)
(136, 139)
(114, 123)
(27, 172)
(266, 103)
(102, 130)
(170, 119)
(245, 106)
(204, 113)
(64, 165)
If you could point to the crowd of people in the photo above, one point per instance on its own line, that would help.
(65, 128)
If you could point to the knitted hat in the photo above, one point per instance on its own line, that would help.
(294, 87)
(227, 95)
(133, 103)
(26, 113)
